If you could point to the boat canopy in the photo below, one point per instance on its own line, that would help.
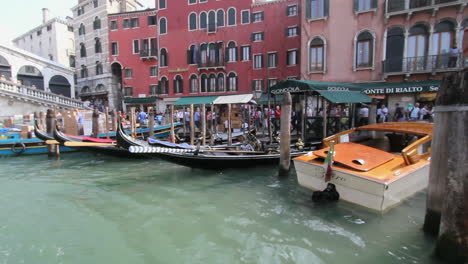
(413, 128)
(339, 97)
(142, 100)
(196, 100)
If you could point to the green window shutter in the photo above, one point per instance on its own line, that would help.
(307, 6)
(374, 3)
(326, 7)
(356, 5)
(253, 85)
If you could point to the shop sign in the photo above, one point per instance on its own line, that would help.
(285, 90)
(337, 88)
(397, 90)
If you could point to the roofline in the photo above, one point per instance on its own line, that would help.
(149, 10)
(50, 21)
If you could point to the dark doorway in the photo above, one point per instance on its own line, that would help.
(60, 85)
(394, 50)
(116, 69)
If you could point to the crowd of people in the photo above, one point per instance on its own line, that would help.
(412, 112)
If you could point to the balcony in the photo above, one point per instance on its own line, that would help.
(211, 64)
(148, 54)
(424, 64)
(399, 7)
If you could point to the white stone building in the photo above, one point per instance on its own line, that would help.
(53, 40)
(94, 76)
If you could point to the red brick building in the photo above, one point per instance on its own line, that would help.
(207, 48)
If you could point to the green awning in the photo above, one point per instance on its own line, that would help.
(263, 100)
(339, 97)
(297, 86)
(142, 100)
(195, 100)
(401, 87)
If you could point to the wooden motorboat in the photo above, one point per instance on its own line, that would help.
(377, 172)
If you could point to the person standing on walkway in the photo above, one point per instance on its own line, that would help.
(414, 113)
(196, 118)
(142, 116)
(398, 116)
(187, 120)
(363, 116)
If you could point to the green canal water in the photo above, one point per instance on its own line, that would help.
(87, 208)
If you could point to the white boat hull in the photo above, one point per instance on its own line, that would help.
(373, 194)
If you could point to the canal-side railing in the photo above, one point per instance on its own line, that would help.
(26, 93)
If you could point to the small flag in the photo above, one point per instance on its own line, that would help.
(328, 162)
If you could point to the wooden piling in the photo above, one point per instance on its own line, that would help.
(303, 117)
(373, 112)
(133, 122)
(150, 122)
(229, 126)
(285, 136)
(50, 124)
(325, 118)
(213, 124)
(42, 120)
(95, 131)
(106, 120)
(192, 126)
(452, 100)
(114, 120)
(172, 135)
(203, 124)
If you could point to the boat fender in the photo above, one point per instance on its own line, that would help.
(330, 194)
(18, 147)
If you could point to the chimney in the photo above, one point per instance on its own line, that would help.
(45, 15)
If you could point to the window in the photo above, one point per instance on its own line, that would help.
(257, 36)
(178, 85)
(39, 32)
(292, 31)
(192, 55)
(163, 86)
(128, 91)
(99, 69)
(192, 21)
(193, 84)
(81, 29)
(114, 25)
(49, 27)
(203, 53)
(272, 60)
(153, 71)
(203, 19)
(136, 46)
(151, 20)
(394, 49)
(134, 22)
(97, 46)
(115, 48)
(245, 16)
(316, 55)
(220, 18)
(291, 10)
(258, 61)
(272, 82)
(80, 10)
(126, 23)
(245, 53)
(70, 28)
(82, 50)
(84, 71)
(257, 85)
(363, 5)
(163, 58)
(232, 82)
(162, 4)
(192, 2)
(162, 26)
(212, 83)
(231, 17)
(291, 57)
(153, 89)
(316, 9)
(257, 17)
(443, 38)
(364, 51)
(202, 1)
(212, 21)
(97, 23)
(95, 3)
(128, 73)
(231, 52)
(203, 83)
(220, 83)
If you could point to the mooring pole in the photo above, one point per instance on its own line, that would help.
(373, 112)
(42, 121)
(50, 124)
(452, 100)
(114, 120)
(203, 124)
(213, 124)
(172, 135)
(95, 123)
(285, 137)
(325, 118)
(303, 117)
(192, 126)
(150, 122)
(106, 120)
(133, 122)
(229, 132)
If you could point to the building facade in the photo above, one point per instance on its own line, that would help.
(94, 78)
(52, 40)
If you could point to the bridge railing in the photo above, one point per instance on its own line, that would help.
(26, 92)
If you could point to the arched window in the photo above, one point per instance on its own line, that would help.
(5, 68)
(364, 50)
(193, 21)
(231, 52)
(212, 52)
(99, 69)
(232, 82)
(81, 29)
(84, 71)
(162, 26)
(163, 86)
(178, 85)
(316, 55)
(203, 20)
(82, 50)
(97, 46)
(97, 23)
(203, 53)
(191, 55)
(203, 83)
(443, 38)
(220, 83)
(212, 21)
(417, 48)
(394, 50)
(163, 62)
(220, 18)
(85, 90)
(231, 16)
(193, 84)
(212, 83)
(100, 87)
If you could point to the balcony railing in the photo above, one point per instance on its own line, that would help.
(423, 64)
(149, 54)
(211, 64)
(396, 7)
